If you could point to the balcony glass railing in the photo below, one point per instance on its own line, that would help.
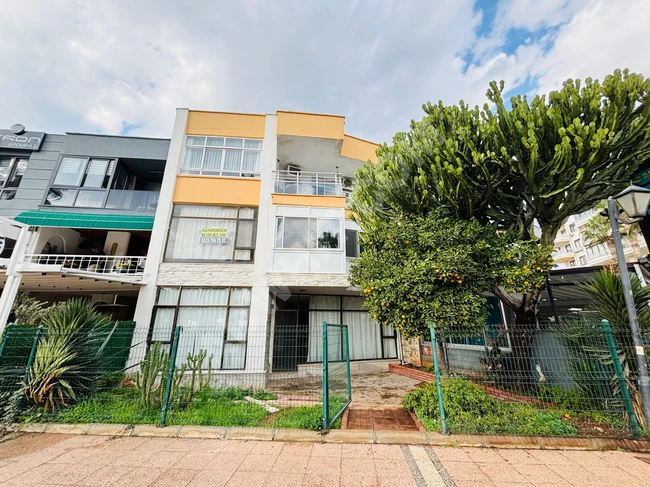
(307, 183)
(143, 201)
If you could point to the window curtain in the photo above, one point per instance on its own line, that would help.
(363, 332)
(185, 239)
(203, 329)
(193, 158)
(325, 308)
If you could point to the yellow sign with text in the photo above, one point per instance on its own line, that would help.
(213, 236)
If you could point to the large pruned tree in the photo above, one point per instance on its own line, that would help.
(523, 168)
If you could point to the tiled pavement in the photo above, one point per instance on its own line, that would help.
(50, 459)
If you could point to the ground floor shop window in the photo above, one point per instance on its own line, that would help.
(298, 333)
(212, 319)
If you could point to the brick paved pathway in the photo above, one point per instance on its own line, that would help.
(50, 459)
(380, 419)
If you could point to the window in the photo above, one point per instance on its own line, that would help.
(12, 170)
(81, 182)
(583, 260)
(572, 263)
(563, 231)
(496, 332)
(212, 234)
(567, 248)
(577, 244)
(213, 319)
(222, 156)
(351, 243)
(572, 227)
(307, 233)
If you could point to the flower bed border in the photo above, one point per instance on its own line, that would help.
(500, 394)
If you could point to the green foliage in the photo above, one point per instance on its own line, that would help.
(411, 275)
(304, 417)
(154, 365)
(194, 364)
(68, 360)
(469, 409)
(569, 400)
(27, 310)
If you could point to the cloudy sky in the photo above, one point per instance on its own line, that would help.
(123, 66)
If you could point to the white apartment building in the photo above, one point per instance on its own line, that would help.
(252, 239)
(572, 248)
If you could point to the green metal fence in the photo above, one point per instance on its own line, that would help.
(337, 384)
(574, 378)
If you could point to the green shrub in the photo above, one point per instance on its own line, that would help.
(469, 409)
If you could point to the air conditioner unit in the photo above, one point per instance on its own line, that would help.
(292, 168)
(348, 183)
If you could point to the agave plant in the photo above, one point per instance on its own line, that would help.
(69, 357)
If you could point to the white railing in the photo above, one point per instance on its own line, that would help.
(97, 264)
(309, 183)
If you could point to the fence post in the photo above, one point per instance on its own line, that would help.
(32, 354)
(170, 377)
(436, 366)
(4, 340)
(347, 360)
(326, 402)
(622, 383)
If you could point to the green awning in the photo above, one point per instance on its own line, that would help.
(38, 218)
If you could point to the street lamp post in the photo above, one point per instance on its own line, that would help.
(634, 201)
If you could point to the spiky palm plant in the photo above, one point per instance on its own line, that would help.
(607, 300)
(69, 357)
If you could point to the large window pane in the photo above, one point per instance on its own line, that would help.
(205, 211)
(251, 162)
(95, 173)
(212, 160)
(279, 232)
(5, 169)
(252, 144)
(61, 197)
(328, 234)
(237, 324)
(193, 157)
(168, 295)
(232, 161)
(90, 199)
(204, 296)
(192, 239)
(296, 233)
(240, 297)
(234, 356)
(70, 171)
(245, 234)
(19, 171)
(351, 247)
(163, 324)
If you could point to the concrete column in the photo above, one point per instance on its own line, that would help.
(147, 294)
(257, 327)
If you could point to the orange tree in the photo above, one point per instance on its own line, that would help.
(436, 268)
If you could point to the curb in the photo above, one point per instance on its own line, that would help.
(341, 436)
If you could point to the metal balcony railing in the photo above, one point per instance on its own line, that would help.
(97, 264)
(307, 183)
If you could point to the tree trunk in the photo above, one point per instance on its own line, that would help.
(522, 335)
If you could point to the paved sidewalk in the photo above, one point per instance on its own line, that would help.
(51, 459)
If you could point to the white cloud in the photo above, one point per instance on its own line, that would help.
(102, 66)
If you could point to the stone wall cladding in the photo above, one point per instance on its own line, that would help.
(205, 274)
(411, 351)
(308, 280)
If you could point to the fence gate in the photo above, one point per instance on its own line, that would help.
(337, 388)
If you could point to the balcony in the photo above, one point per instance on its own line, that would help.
(105, 267)
(307, 183)
(114, 199)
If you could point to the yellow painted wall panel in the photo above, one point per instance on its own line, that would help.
(308, 200)
(210, 190)
(226, 124)
(310, 125)
(359, 149)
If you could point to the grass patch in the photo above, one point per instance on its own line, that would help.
(469, 409)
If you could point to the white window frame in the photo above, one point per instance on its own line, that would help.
(221, 172)
(341, 247)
